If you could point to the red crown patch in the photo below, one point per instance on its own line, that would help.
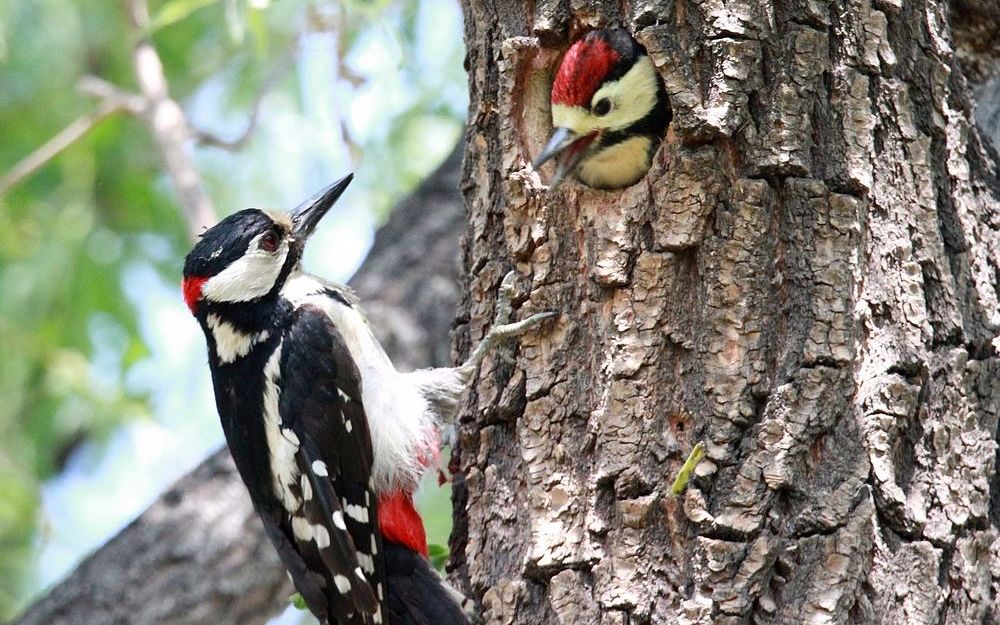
(583, 69)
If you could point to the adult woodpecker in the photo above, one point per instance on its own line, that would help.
(328, 437)
(609, 112)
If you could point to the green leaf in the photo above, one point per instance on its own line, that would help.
(175, 11)
(296, 600)
(684, 475)
(438, 555)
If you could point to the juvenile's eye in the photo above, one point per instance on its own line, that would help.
(602, 108)
(269, 242)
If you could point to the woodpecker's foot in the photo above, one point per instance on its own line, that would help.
(503, 332)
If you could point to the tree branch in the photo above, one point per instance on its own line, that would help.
(54, 146)
(164, 116)
(209, 138)
(168, 123)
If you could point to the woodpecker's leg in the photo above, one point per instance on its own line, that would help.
(497, 338)
(443, 386)
(502, 331)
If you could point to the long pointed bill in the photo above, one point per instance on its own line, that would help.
(308, 213)
(567, 148)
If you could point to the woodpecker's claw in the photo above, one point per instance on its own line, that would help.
(500, 334)
(502, 331)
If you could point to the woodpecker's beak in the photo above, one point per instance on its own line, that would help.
(308, 213)
(568, 149)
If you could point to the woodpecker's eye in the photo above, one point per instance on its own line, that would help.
(269, 242)
(602, 108)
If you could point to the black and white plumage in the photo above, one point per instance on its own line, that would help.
(312, 434)
(290, 401)
(330, 440)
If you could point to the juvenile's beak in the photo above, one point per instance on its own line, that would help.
(567, 148)
(308, 213)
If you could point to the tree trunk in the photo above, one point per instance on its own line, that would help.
(806, 281)
(198, 555)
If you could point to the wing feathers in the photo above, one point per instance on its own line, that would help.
(336, 547)
(334, 533)
(310, 585)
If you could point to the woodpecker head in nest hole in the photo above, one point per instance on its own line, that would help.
(247, 256)
(609, 112)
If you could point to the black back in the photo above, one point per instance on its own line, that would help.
(320, 391)
(417, 595)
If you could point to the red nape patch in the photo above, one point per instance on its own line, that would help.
(192, 291)
(399, 522)
(583, 69)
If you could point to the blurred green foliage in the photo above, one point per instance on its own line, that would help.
(438, 555)
(68, 334)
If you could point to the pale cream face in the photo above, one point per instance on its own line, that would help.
(632, 96)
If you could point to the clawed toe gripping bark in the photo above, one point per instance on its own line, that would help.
(443, 386)
(503, 331)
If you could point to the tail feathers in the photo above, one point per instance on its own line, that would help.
(417, 593)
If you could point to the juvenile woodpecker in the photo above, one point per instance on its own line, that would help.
(609, 112)
(330, 440)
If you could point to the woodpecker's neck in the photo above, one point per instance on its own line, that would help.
(239, 396)
(234, 329)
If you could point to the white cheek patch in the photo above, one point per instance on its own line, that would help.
(576, 118)
(251, 276)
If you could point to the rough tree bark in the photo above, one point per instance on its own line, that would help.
(806, 281)
(198, 555)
